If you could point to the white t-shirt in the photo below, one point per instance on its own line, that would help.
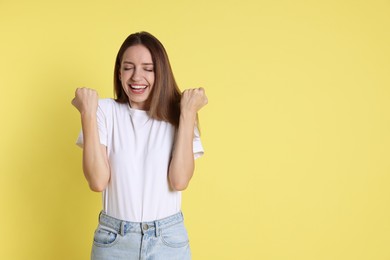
(139, 149)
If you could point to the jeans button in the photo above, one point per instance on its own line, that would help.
(145, 226)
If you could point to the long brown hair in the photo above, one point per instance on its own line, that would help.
(165, 97)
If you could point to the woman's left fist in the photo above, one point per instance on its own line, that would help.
(192, 100)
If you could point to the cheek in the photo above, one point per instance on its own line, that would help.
(124, 87)
(123, 83)
(151, 79)
(124, 74)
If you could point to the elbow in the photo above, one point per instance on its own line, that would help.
(97, 187)
(97, 180)
(179, 180)
(179, 185)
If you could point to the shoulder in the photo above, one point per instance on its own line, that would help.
(106, 102)
(110, 104)
(110, 107)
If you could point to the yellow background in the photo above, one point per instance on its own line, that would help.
(297, 131)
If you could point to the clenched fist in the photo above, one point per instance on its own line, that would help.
(192, 100)
(86, 101)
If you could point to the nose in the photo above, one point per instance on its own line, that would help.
(136, 74)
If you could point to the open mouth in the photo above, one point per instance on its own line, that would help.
(138, 89)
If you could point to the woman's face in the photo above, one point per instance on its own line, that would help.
(137, 75)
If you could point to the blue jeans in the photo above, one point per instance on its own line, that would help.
(164, 239)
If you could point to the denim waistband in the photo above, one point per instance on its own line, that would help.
(122, 227)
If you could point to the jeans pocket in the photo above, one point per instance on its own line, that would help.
(175, 235)
(105, 237)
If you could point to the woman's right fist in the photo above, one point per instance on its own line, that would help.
(86, 101)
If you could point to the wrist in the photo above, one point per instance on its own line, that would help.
(188, 116)
(87, 115)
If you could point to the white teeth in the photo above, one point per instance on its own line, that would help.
(138, 86)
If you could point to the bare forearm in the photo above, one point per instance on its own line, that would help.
(182, 163)
(95, 163)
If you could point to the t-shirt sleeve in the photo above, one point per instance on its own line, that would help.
(102, 126)
(197, 144)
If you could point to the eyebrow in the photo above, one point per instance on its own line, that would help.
(145, 63)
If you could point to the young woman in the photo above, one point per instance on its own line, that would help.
(139, 150)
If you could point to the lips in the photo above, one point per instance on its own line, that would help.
(138, 89)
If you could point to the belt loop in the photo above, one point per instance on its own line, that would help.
(157, 227)
(99, 216)
(122, 228)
